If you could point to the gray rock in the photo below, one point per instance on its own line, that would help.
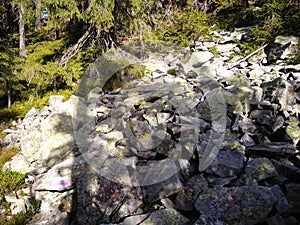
(280, 91)
(220, 182)
(281, 204)
(260, 169)
(18, 163)
(227, 163)
(128, 208)
(293, 196)
(276, 220)
(205, 220)
(291, 221)
(226, 48)
(98, 198)
(273, 149)
(186, 197)
(199, 58)
(53, 217)
(55, 100)
(165, 188)
(264, 117)
(287, 169)
(165, 217)
(236, 205)
(58, 178)
(135, 219)
(289, 45)
(18, 204)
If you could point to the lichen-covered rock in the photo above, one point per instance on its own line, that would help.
(260, 169)
(165, 217)
(237, 205)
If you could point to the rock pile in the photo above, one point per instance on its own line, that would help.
(200, 139)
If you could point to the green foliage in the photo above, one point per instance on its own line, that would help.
(222, 5)
(100, 12)
(185, 27)
(11, 181)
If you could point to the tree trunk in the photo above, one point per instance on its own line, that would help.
(22, 32)
(37, 14)
(8, 88)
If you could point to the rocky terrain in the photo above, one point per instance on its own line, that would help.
(202, 138)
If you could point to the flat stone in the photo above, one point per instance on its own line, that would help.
(198, 58)
(272, 149)
(128, 208)
(135, 219)
(98, 197)
(58, 178)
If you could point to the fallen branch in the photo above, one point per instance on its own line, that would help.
(248, 56)
(74, 49)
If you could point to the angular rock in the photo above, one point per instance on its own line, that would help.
(281, 204)
(264, 117)
(18, 163)
(186, 197)
(166, 217)
(276, 220)
(55, 100)
(237, 205)
(280, 91)
(287, 169)
(58, 178)
(293, 196)
(227, 163)
(260, 169)
(205, 220)
(165, 188)
(220, 182)
(135, 219)
(199, 58)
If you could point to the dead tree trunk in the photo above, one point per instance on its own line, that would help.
(74, 49)
(37, 14)
(22, 32)
(8, 91)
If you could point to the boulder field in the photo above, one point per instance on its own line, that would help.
(205, 137)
